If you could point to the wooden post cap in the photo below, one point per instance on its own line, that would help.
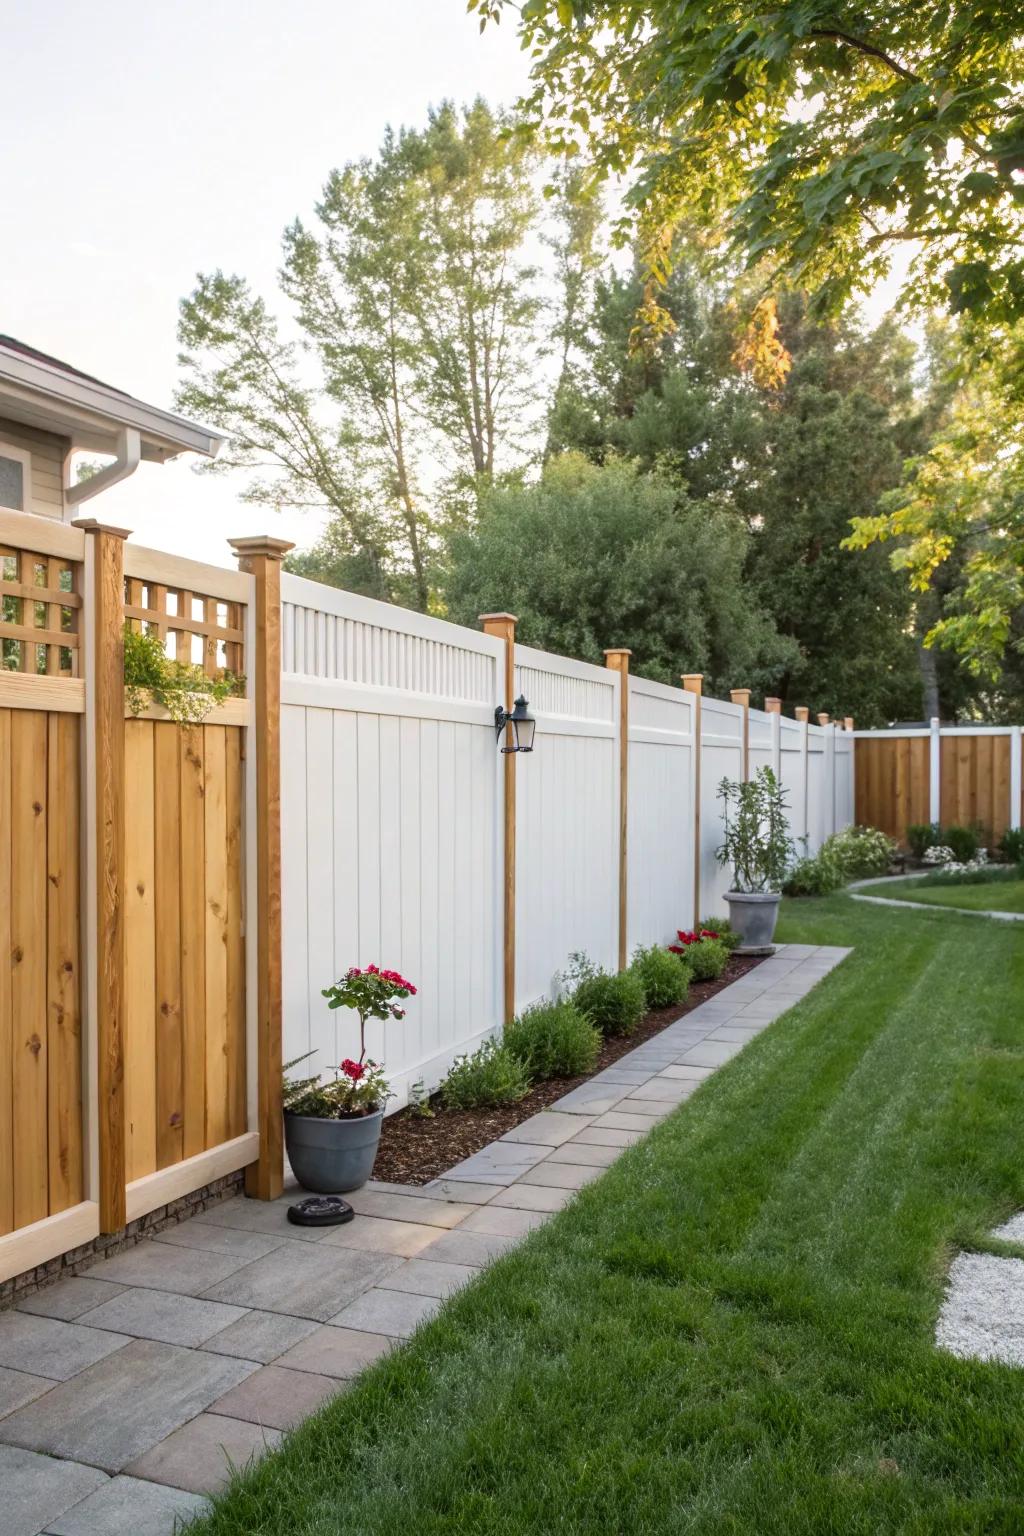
(740, 696)
(773, 706)
(693, 682)
(494, 618)
(93, 525)
(618, 650)
(848, 723)
(261, 544)
(823, 718)
(802, 713)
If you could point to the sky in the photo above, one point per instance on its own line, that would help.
(145, 143)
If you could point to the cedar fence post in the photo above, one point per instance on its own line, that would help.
(693, 682)
(741, 696)
(618, 660)
(773, 707)
(935, 770)
(104, 806)
(803, 715)
(503, 627)
(261, 558)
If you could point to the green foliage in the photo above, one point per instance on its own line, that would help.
(553, 1040)
(184, 689)
(616, 554)
(665, 977)
(413, 365)
(922, 835)
(490, 1075)
(963, 842)
(614, 1002)
(357, 1088)
(756, 842)
(1011, 845)
(707, 959)
(858, 853)
(724, 929)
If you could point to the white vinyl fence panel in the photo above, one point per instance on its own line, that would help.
(567, 821)
(391, 826)
(721, 739)
(661, 807)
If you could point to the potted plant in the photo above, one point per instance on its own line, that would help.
(758, 848)
(331, 1129)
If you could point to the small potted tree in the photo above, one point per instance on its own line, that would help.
(331, 1129)
(758, 848)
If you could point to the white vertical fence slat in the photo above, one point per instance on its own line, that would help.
(392, 819)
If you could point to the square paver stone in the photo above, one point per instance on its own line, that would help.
(606, 1136)
(561, 1175)
(712, 1053)
(397, 1313)
(461, 1189)
(44, 1346)
(268, 1217)
(232, 1240)
(668, 1089)
(163, 1315)
(36, 1490)
(379, 1234)
(430, 1277)
(163, 1268)
(462, 1247)
(120, 1407)
(129, 1506)
(686, 1073)
(19, 1387)
(425, 1210)
(620, 1120)
(202, 1455)
(69, 1298)
(578, 1153)
(531, 1197)
(339, 1352)
(591, 1098)
(276, 1396)
(502, 1221)
(304, 1282)
(260, 1336)
(549, 1128)
(501, 1162)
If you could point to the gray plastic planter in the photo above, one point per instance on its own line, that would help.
(753, 915)
(332, 1156)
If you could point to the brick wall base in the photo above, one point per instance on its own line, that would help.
(86, 1256)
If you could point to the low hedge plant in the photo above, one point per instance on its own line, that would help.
(614, 1002)
(665, 977)
(707, 958)
(488, 1076)
(553, 1040)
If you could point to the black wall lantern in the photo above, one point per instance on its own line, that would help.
(522, 722)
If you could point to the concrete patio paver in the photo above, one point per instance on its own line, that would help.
(129, 1506)
(202, 1455)
(37, 1490)
(273, 1320)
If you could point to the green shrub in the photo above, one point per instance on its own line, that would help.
(614, 1003)
(857, 853)
(553, 1040)
(664, 977)
(491, 1075)
(1011, 845)
(817, 876)
(922, 835)
(962, 841)
(724, 929)
(708, 959)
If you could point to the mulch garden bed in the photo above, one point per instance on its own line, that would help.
(415, 1148)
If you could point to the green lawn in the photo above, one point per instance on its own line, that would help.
(993, 895)
(730, 1332)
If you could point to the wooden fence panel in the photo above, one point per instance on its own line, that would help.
(891, 782)
(975, 783)
(40, 1009)
(185, 1015)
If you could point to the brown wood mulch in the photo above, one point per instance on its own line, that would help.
(414, 1148)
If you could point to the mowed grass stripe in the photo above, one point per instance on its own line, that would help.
(731, 1330)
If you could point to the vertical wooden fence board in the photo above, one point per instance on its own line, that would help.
(193, 938)
(6, 964)
(140, 951)
(64, 1031)
(235, 787)
(170, 1113)
(29, 957)
(216, 890)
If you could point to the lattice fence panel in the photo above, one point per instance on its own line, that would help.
(40, 607)
(194, 627)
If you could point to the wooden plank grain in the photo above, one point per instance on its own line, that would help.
(140, 951)
(64, 1010)
(170, 1116)
(216, 933)
(29, 959)
(6, 1015)
(193, 939)
(236, 1053)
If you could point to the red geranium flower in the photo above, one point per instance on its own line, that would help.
(353, 1069)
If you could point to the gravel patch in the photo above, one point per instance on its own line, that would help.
(982, 1317)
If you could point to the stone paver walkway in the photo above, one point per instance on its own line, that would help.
(127, 1393)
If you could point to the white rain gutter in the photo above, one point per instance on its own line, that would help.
(129, 456)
